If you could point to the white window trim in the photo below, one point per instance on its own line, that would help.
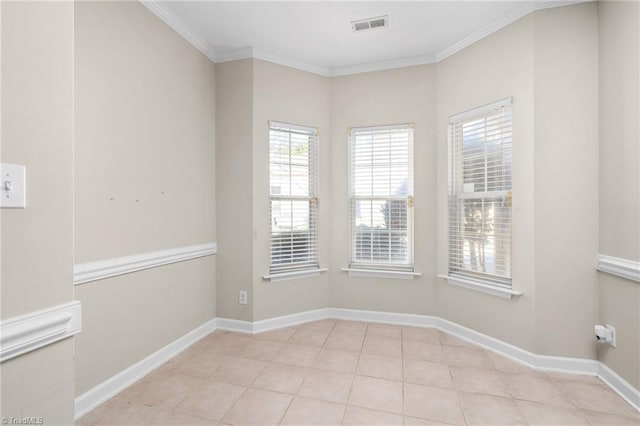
(289, 273)
(482, 286)
(361, 269)
(381, 273)
(480, 111)
(294, 275)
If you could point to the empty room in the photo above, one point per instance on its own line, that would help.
(320, 213)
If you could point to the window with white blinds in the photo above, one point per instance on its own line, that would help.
(293, 183)
(381, 197)
(480, 194)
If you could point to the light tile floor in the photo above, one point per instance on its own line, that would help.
(354, 373)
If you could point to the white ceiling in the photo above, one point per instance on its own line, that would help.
(317, 36)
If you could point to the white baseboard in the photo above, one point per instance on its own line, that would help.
(287, 320)
(110, 387)
(238, 326)
(515, 353)
(620, 385)
(539, 362)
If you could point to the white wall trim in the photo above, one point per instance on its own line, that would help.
(34, 330)
(292, 63)
(287, 320)
(180, 27)
(381, 273)
(384, 65)
(620, 385)
(624, 268)
(294, 275)
(249, 52)
(92, 271)
(510, 17)
(482, 287)
(99, 394)
(105, 390)
(230, 324)
(515, 353)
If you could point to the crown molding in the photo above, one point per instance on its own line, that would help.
(180, 27)
(493, 26)
(384, 65)
(199, 43)
(235, 54)
(292, 63)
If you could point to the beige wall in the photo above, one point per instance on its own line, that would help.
(288, 95)
(494, 68)
(234, 156)
(144, 181)
(405, 95)
(151, 308)
(565, 179)
(555, 115)
(620, 179)
(37, 242)
(251, 92)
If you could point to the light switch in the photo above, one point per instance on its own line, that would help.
(12, 186)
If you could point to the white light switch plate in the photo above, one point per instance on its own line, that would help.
(12, 186)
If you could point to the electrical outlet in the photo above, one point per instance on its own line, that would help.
(242, 297)
(613, 335)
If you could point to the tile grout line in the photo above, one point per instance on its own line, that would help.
(307, 373)
(556, 383)
(402, 372)
(355, 372)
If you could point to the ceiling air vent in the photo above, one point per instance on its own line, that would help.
(370, 23)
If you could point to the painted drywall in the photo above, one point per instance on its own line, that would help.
(234, 156)
(620, 129)
(619, 38)
(145, 111)
(37, 242)
(405, 95)
(178, 298)
(144, 181)
(291, 96)
(492, 69)
(565, 179)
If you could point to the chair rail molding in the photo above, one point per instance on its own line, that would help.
(624, 268)
(34, 330)
(101, 269)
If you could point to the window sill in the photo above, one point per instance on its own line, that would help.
(482, 287)
(381, 273)
(294, 275)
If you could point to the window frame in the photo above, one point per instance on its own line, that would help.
(457, 194)
(308, 267)
(397, 268)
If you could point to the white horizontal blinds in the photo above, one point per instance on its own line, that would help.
(293, 164)
(480, 194)
(381, 196)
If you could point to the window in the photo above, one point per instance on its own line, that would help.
(480, 194)
(381, 196)
(293, 165)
